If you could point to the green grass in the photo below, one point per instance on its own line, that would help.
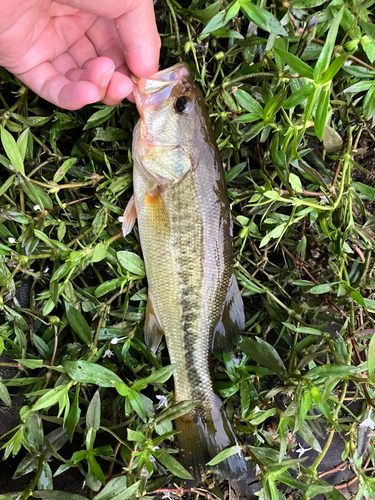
(292, 132)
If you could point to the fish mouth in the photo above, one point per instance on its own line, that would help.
(157, 87)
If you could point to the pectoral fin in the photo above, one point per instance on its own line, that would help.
(156, 211)
(129, 217)
(152, 329)
(232, 321)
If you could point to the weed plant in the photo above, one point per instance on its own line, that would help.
(290, 88)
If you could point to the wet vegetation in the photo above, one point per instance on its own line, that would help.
(86, 409)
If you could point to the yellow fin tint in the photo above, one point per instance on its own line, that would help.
(156, 209)
(152, 329)
(129, 217)
(232, 321)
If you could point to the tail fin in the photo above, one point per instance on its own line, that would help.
(203, 433)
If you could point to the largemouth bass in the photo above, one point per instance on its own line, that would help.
(181, 202)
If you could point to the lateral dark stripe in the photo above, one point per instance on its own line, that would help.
(189, 259)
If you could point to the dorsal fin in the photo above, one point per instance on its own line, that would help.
(232, 320)
(152, 328)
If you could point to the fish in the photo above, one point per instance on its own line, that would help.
(184, 221)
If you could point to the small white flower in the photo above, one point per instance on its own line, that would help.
(368, 423)
(120, 219)
(301, 451)
(323, 200)
(163, 401)
(108, 354)
(11, 240)
(37, 207)
(116, 339)
(46, 270)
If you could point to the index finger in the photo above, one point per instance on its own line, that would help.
(139, 35)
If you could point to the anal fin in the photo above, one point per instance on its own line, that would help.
(232, 320)
(129, 217)
(152, 330)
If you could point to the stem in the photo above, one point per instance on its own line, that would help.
(265, 74)
(332, 433)
(85, 233)
(176, 29)
(29, 491)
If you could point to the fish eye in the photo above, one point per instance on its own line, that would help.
(182, 104)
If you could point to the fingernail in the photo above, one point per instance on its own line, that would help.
(106, 78)
(119, 98)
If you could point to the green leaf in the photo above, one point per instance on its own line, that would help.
(248, 118)
(73, 416)
(51, 397)
(61, 271)
(108, 286)
(117, 489)
(136, 403)
(206, 14)
(158, 376)
(263, 353)
(175, 411)
(364, 189)
(247, 102)
(369, 103)
(100, 251)
(359, 87)
(322, 111)
(62, 171)
(135, 436)
(371, 356)
(78, 324)
(100, 117)
(224, 454)
(22, 142)
(132, 263)
(325, 288)
(332, 371)
(263, 19)
(56, 495)
(171, 464)
(326, 53)
(36, 194)
(369, 304)
(45, 480)
(43, 237)
(295, 63)
(233, 9)
(7, 184)
(275, 233)
(298, 97)
(90, 373)
(334, 68)
(4, 395)
(215, 23)
(235, 171)
(93, 412)
(12, 151)
(295, 183)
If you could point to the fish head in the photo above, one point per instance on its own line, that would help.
(172, 112)
(168, 103)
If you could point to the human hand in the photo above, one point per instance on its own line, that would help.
(76, 52)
